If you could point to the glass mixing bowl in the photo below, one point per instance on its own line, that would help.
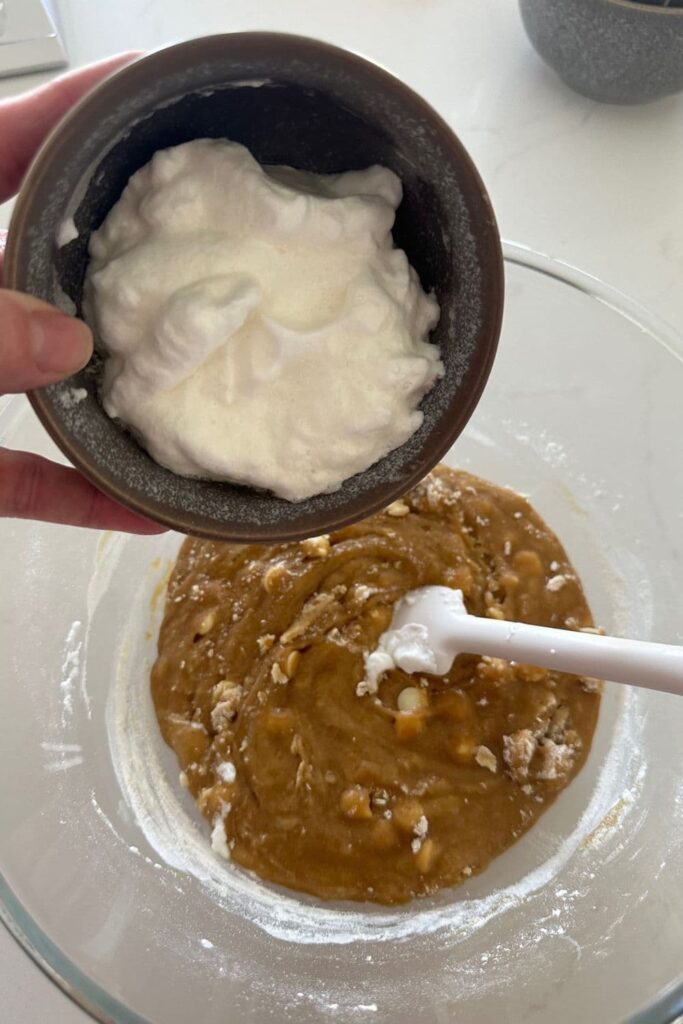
(108, 879)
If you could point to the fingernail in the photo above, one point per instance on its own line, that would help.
(59, 343)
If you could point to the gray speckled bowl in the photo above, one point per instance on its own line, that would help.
(290, 101)
(617, 51)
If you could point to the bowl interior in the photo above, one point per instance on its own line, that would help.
(105, 865)
(290, 101)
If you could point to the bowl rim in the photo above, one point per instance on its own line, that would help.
(187, 519)
(629, 5)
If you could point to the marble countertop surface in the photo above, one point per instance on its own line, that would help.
(600, 187)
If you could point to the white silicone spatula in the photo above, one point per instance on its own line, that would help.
(431, 626)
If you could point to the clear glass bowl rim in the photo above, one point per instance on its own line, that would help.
(666, 1008)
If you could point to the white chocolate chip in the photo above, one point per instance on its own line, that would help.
(316, 547)
(411, 699)
(397, 509)
(207, 623)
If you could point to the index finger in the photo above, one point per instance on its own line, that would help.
(26, 120)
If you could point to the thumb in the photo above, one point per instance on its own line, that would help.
(38, 344)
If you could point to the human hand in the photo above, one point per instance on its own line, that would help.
(39, 344)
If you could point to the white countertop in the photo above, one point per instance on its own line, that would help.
(597, 186)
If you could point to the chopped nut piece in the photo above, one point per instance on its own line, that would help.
(486, 758)
(518, 750)
(556, 759)
(226, 710)
(531, 673)
(398, 509)
(304, 774)
(265, 642)
(556, 583)
(494, 670)
(296, 747)
(316, 547)
(558, 725)
(411, 699)
(421, 827)
(379, 798)
(590, 684)
(225, 689)
(277, 675)
(355, 802)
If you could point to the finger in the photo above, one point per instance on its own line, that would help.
(26, 120)
(34, 488)
(38, 344)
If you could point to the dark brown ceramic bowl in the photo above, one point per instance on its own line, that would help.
(292, 101)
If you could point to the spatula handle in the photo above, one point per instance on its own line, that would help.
(637, 662)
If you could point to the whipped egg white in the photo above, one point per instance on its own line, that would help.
(258, 323)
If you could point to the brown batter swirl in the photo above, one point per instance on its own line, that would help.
(346, 796)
